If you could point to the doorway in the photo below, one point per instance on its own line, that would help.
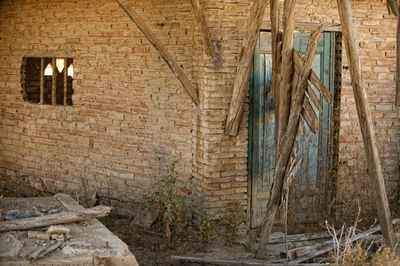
(308, 194)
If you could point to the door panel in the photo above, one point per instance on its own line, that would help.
(306, 195)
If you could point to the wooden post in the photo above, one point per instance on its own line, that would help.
(367, 128)
(398, 60)
(240, 87)
(65, 80)
(287, 141)
(42, 80)
(54, 83)
(199, 14)
(276, 58)
(151, 37)
(286, 68)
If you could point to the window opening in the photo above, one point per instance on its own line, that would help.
(47, 80)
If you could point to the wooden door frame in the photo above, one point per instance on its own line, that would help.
(327, 28)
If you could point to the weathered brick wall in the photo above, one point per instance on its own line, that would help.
(131, 118)
(220, 161)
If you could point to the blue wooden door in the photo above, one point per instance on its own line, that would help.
(309, 186)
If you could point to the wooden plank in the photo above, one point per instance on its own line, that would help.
(65, 80)
(184, 260)
(199, 14)
(314, 98)
(43, 251)
(298, 237)
(307, 27)
(240, 86)
(287, 141)
(54, 83)
(321, 248)
(313, 78)
(367, 128)
(276, 58)
(286, 71)
(398, 61)
(151, 37)
(42, 80)
(310, 116)
(52, 219)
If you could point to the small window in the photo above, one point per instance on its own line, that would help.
(47, 80)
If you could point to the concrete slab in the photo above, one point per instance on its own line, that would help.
(89, 243)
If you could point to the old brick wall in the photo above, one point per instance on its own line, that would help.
(130, 118)
(220, 161)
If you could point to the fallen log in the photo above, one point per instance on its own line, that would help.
(57, 218)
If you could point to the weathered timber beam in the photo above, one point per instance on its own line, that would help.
(314, 98)
(393, 7)
(42, 80)
(199, 14)
(276, 58)
(398, 61)
(65, 80)
(54, 82)
(287, 142)
(309, 252)
(313, 78)
(52, 219)
(240, 86)
(310, 116)
(367, 128)
(286, 71)
(151, 37)
(307, 27)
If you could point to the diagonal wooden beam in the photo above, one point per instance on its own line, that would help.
(199, 14)
(287, 142)
(240, 86)
(298, 64)
(286, 68)
(151, 37)
(393, 7)
(367, 128)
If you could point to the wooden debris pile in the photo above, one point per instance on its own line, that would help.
(52, 229)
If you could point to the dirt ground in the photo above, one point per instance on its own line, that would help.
(150, 245)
